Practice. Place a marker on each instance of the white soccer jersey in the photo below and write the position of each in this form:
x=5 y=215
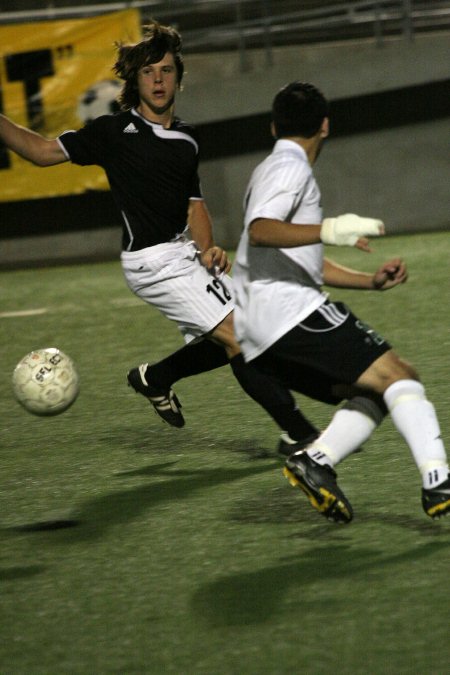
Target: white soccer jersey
x=275 y=288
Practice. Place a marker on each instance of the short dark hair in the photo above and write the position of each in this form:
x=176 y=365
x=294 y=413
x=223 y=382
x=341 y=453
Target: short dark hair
x=157 y=41
x=298 y=109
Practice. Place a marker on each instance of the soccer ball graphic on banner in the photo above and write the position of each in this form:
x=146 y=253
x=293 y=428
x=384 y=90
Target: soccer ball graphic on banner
x=100 y=99
x=46 y=382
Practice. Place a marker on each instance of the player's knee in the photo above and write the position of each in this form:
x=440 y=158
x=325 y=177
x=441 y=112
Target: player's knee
x=387 y=370
x=403 y=370
x=224 y=335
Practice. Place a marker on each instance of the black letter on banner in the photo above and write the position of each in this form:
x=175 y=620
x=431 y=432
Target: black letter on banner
x=29 y=68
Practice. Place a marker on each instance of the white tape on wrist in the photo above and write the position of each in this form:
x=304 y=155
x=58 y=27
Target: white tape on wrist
x=345 y=230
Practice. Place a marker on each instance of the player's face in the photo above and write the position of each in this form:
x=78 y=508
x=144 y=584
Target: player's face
x=157 y=84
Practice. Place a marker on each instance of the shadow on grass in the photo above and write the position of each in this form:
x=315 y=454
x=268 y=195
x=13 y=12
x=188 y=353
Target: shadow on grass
x=282 y=506
x=253 y=597
x=251 y=451
x=12 y=573
x=45 y=525
x=98 y=514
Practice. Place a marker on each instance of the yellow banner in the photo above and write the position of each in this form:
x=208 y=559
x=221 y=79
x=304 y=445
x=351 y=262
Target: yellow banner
x=54 y=76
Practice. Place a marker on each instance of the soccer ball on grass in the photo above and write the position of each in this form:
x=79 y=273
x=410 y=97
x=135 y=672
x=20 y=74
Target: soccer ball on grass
x=46 y=382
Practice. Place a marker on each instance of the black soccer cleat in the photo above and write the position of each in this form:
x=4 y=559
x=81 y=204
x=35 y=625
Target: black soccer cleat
x=318 y=482
x=286 y=446
x=164 y=401
x=436 y=501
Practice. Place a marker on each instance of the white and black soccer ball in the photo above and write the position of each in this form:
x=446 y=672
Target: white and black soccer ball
x=100 y=99
x=46 y=382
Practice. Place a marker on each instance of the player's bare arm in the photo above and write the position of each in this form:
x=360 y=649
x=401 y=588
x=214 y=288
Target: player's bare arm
x=345 y=230
x=279 y=234
x=30 y=145
x=387 y=276
x=200 y=225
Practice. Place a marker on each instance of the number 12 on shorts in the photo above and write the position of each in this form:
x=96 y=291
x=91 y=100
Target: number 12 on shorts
x=219 y=290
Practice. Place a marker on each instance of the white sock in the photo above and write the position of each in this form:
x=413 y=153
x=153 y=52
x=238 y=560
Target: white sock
x=415 y=418
x=346 y=432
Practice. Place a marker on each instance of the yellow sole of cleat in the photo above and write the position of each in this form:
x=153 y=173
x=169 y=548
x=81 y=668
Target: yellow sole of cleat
x=291 y=478
x=439 y=510
x=329 y=500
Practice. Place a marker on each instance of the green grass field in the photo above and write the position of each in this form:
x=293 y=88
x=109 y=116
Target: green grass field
x=129 y=547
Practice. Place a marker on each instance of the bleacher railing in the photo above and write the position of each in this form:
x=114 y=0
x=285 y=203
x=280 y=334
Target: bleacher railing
x=212 y=25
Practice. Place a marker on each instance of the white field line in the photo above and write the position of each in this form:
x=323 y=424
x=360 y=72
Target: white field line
x=132 y=301
x=23 y=312
x=69 y=307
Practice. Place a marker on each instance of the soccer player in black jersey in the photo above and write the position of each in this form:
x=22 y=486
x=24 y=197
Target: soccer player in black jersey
x=151 y=158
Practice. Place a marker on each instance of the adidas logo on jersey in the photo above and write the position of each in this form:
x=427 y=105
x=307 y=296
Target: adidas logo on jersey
x=130 y=129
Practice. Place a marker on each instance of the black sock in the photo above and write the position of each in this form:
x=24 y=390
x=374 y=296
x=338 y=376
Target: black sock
x=189 y=360
x=274 y=397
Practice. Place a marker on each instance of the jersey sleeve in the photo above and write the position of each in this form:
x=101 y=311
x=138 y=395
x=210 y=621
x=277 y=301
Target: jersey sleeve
x=88 y=145
x=195 y=188
x=277 y=193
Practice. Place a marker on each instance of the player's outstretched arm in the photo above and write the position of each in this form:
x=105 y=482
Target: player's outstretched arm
x=387 y=276
x=346 y=230
x=29 y=144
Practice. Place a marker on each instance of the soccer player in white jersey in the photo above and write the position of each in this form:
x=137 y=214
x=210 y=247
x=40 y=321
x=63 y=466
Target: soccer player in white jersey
x=150 y=158
x=286 y=325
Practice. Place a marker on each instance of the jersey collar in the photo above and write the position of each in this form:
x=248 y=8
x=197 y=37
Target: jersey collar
x=149 y=122
x=283 y=144
x=169 y=134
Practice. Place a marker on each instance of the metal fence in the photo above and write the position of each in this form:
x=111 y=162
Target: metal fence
x=212 y=25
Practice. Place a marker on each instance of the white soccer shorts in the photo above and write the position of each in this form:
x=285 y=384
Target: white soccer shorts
x=171 y=278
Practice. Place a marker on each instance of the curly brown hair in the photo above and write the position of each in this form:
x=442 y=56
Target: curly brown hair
x=157 y=41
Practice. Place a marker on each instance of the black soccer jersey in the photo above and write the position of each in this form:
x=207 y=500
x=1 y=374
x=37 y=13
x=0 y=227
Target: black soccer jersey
x=152 y=172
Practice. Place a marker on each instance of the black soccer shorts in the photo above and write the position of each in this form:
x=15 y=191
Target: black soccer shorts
x=331 y=346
